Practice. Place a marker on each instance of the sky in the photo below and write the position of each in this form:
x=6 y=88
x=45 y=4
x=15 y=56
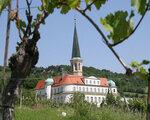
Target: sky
x=55 y=45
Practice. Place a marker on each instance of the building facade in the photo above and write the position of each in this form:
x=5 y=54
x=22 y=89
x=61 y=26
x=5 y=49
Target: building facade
x=61 y=88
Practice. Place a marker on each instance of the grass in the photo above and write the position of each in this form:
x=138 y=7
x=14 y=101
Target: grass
x=37 y=114
x=109 y=113
x=105 y=113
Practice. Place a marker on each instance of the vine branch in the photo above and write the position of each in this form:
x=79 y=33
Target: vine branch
x=88 y=6
x=147 y=8
x=104 y=37
x=17 y=19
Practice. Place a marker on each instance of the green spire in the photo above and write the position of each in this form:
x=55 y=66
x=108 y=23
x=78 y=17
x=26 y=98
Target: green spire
x=75 y=49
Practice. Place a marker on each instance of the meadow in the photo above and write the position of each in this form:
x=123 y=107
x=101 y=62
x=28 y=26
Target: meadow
x=104 y=113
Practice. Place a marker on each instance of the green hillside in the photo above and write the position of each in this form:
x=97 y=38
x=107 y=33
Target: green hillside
x=128 y=86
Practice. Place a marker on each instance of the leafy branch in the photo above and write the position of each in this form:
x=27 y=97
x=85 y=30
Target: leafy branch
x=136 y=27
x=128 y=70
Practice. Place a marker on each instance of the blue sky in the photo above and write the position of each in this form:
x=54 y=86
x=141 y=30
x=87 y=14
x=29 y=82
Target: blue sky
x=56 y=40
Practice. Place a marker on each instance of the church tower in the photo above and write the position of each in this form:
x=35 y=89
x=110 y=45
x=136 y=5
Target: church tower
x=76 y=61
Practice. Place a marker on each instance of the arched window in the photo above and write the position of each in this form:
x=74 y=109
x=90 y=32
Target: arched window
x=79 y=66
x=76 y=66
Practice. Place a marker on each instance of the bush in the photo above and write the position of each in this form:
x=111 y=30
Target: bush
x=137 y=104
x=82 y=109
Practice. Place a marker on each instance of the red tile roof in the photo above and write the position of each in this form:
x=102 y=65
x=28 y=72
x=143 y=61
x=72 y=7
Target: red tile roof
x=68 y=79
x=40 y=85
x=103 y=82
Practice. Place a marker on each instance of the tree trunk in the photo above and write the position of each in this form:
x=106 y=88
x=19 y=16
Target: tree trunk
x=21 y=62
x=148 y=98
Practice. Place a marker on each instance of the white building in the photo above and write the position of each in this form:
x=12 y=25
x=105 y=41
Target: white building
x=61 y=88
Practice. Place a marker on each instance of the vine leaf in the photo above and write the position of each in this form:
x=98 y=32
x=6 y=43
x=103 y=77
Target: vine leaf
x=141 y=72
x=99 y=3
x=3 y=4
x=140 y=5
x=69 y=4
x=118 y=25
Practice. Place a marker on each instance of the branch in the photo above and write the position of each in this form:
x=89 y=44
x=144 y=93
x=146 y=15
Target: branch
x=36 y=35
x=104 y=37
x=29 y=18
x=147 y=8
x=88 y=6
x=17 y=19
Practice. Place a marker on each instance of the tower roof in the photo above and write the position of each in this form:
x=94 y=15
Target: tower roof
x=75 y=48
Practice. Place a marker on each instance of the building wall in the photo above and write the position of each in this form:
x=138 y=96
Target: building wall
x=83 y=88
x=93 y=94
x=41 y=93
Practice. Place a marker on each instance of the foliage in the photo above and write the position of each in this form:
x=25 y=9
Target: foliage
x=82 y=109
x=3 y=4
x=27 y=97
x=137 y=104
x=110 y=99
x=140 y=5
x=118 y=25
x=140 y=71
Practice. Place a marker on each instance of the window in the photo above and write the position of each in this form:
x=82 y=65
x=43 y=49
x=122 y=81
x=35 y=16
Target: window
x=61 y=89
x=79 y=66
x=76 y=66
x=83 y=89
x=98 y=82
x=79 y=88
x=87 y=89
x=102 y=90
x=114 y=90
x=106 y=90
x=103 y=98
x=61 y=98
x=86 y=81
x=94 y=81
x=87 y=98
x=94 y=89
x=91 y=89
x=98 y=89
x=90 y=82
x=58 y=90
x=95 y=99
x=99 y=99
x=91 y=99
x=74 y=88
